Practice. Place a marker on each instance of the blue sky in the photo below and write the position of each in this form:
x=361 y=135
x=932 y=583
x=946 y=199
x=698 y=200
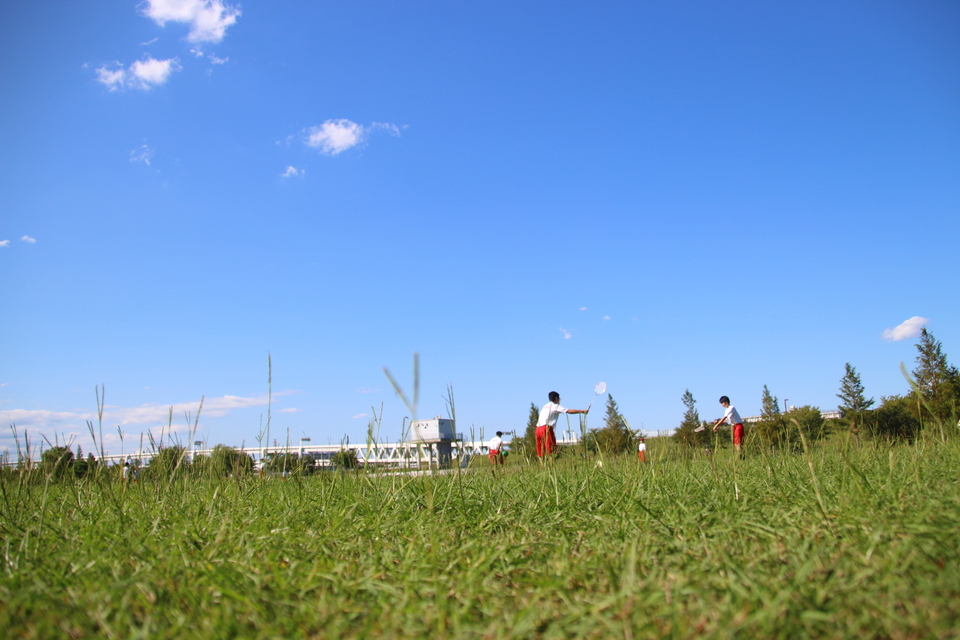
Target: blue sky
x=533 y=196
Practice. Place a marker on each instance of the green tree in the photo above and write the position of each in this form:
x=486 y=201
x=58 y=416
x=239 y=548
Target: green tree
x=771 y=429
x=615 y=436
x=345 y=459
x=168 y=460
x=853 y=401
x=937 y=382
x=529 y=441
x=685 y=433
x=895 y=419
x=852 y=395
x=287 y=463
x=809 y=420
x=79 y=464
x=57 y=462
x=229 y=461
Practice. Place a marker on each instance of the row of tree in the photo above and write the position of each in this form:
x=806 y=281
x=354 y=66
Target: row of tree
x=59 y=462
x=932 y=402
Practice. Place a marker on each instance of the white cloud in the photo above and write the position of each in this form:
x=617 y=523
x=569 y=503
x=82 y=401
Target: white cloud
x=361 y=415
x=290 y=410
x=335 y=136
x=152 y=72
x=142 y=74
x=141 y=154
x=583 y=308
x=113 y=78
x=292 y=172
x=153 y=417
x=566 y=334
x=208 y=19
x=148 y=42
x=367 y=390
x=28 y=240
x=3 y=384
x=4 y=243
x=906 y=329
x=215 y=60
x=606 y=317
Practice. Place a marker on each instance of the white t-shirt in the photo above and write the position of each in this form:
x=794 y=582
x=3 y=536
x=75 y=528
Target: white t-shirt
x=732 y=416
x=495 y=443
x=642 y=447
x=549 y=414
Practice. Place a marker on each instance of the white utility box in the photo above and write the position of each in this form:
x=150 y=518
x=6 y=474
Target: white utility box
x=433 y=430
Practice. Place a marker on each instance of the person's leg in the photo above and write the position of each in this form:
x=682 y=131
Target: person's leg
x=541 y=435
x=551 y=441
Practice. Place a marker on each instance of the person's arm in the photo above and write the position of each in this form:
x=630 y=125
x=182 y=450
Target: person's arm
x=718 y=422
x=578 y=410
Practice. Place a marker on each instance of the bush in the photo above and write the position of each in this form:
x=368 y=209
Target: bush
x=57 y=462
x=896 y=419
x=168 y=461
x=345 y=459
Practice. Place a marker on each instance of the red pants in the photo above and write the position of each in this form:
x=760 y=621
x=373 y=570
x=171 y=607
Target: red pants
x=642 y=455
x=495 y=456
x=546 y=440
x=738 y=433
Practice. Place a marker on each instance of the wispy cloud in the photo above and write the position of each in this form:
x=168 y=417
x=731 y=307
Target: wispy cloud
x=566 y=334
x=361 y=415
x=143 y=154
x=367 y=390
x=583 y=308
x=4 y=243
x=606 y=317
x=292 y=172
x=906 y=329
x=130 y=419
x=142 y=74
x=290 y=410
x=392 y=129
x=208 y=19
x=29 y=240
x=336 y=136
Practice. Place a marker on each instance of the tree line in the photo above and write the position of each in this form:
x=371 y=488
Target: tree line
x=933 y=403
x=60 y=462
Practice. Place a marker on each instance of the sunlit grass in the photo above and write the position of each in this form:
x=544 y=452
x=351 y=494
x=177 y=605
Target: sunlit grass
x=676 y=548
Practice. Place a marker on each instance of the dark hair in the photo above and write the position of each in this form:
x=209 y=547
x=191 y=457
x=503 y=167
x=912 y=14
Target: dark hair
x=554 y=396
x=724 y=399
x=499 y=433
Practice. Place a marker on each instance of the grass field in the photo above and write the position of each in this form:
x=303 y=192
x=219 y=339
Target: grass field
x=842 y=543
